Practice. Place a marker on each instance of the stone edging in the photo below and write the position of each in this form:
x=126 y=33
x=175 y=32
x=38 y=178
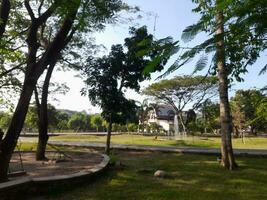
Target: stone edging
x=16 y=184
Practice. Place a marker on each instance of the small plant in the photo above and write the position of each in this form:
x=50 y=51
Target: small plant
x=113 y=158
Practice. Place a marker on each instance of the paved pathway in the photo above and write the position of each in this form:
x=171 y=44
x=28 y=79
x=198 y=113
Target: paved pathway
x=189 y=150
x=71 y=133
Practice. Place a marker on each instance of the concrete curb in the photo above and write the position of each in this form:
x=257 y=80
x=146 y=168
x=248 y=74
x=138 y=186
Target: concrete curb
x=15 y=186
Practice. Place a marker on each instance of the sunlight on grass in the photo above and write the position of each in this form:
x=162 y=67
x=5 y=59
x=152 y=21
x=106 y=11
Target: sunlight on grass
x=191 y=177
x=202 y=142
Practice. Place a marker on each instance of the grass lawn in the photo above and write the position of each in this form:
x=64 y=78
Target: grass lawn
x=211 y=142
x=191 y=177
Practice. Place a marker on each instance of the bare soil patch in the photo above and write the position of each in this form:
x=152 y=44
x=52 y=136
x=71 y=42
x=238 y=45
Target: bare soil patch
x=56 y=165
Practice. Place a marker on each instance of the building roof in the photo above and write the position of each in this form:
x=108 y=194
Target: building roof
x=165 y=112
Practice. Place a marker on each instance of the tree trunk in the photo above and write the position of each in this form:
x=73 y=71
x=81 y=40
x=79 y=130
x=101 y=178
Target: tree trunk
x=176 y=125
x=183 y=124
x=43 y=118
x=205 y=119
x=38 y=105
x=228 y=160
x=4 y=13
x=107 y=150
x=252 y=130
x=8 y=144
x=34 y=70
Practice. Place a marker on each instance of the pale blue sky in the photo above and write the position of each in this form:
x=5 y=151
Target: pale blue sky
x=173 y=17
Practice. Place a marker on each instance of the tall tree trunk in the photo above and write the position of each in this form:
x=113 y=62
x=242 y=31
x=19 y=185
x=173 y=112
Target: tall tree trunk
x=228 y=160
x=43 y=118
x=8 y=144
x=107 y=150
x=34 y=70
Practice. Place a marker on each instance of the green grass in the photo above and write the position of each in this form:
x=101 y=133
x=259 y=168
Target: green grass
x=26 y=146
x=211 y=142
x=192 y=177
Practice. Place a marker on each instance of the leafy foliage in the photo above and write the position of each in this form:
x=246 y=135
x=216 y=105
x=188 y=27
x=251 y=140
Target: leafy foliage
x=123 y=68
x=245 y=35
x=183 y=90
x=248 y=108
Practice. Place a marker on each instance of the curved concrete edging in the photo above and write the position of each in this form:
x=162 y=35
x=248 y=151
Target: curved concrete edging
x=23 y=182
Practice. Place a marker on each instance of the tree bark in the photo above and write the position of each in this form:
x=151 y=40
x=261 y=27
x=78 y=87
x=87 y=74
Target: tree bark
x=4 y=13
x=176 y=125
x=228 y=160
x=8 y=144
x=33 y=71
x=182 y=123
x=43 y=117
x=107 y=150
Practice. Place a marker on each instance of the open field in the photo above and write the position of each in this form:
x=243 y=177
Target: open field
x=204 y=142
x=191 y=177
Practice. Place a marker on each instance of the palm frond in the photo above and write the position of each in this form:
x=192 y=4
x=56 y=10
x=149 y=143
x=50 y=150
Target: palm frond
x=187 y=56
x=201 y=63
x=190 y=32
x=166 y=50
x=263 y=70
x=176 y=65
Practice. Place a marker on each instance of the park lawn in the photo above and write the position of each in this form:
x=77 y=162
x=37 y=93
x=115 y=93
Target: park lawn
x=26 y=146
x=32 y=146
x=193 y=177
x=201 y=142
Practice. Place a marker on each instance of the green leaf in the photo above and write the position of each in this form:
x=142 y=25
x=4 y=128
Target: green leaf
x=263 y=70
x=190 y=32
x=201 y=64
x=151 y=65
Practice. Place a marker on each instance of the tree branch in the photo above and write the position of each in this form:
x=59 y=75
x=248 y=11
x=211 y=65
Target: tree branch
x=29 y=9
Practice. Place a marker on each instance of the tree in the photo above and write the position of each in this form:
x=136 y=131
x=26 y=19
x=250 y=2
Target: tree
x=34 y=69
x=5 y=119
x=123 y=68
x=79 y=122
x=66 y=15
x=4 y=14
x=182 y=91
x=32 y=119
x=210 y=115
x=63 y=119
x=75 y=47
x=96 y=121
x=143 y=109
x=245 y=105
x=236 y=36
x=261 y=113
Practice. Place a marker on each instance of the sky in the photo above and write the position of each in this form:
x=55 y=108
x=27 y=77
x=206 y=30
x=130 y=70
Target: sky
x=173 y=16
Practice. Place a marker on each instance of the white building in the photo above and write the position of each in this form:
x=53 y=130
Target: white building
x=162 y=115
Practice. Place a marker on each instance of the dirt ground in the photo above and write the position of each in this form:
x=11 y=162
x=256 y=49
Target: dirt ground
x=58 y=164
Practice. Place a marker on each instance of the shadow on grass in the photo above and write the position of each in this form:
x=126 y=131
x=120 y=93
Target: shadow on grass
x=191 y=177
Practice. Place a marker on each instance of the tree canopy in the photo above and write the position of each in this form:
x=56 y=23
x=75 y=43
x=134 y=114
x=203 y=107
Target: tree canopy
x=183 y=90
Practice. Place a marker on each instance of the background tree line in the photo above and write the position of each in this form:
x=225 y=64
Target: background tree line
x=248 y=111
x=67 y=121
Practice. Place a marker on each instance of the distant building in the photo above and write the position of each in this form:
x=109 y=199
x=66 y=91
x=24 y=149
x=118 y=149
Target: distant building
x=163 y=115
